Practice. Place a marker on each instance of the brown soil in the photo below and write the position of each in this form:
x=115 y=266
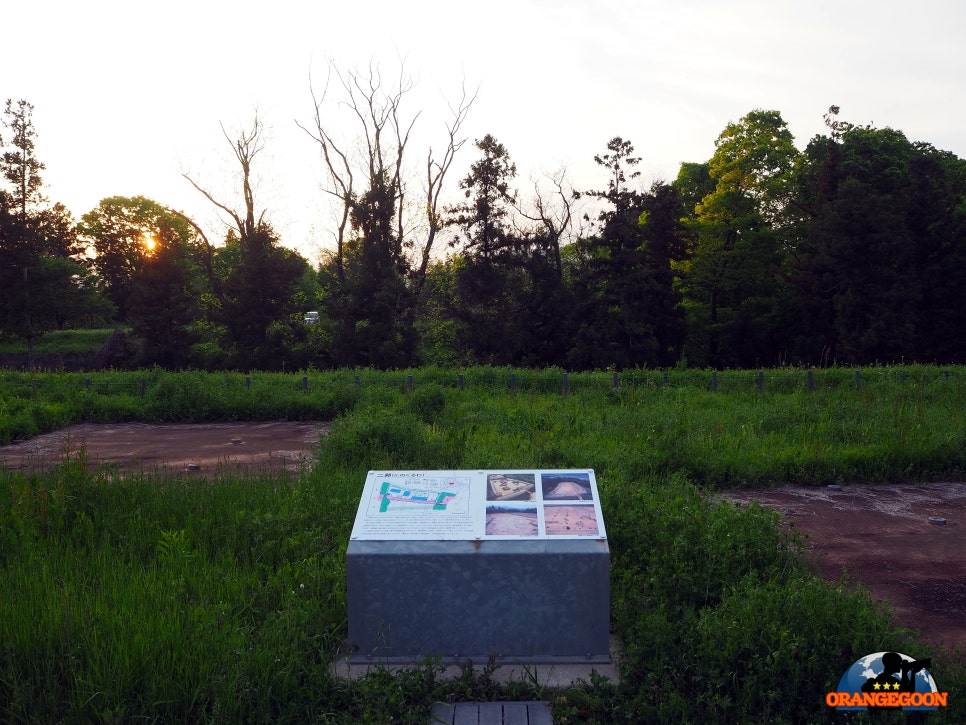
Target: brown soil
x=200 y=449
x=512 y=524
x=879 y=535
x=891 y=539
x=570 y=520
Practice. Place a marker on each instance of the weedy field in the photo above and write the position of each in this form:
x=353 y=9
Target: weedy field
x=60 y=341
x=163 y=598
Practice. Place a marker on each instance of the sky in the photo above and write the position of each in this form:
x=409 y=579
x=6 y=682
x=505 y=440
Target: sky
x=128 y=97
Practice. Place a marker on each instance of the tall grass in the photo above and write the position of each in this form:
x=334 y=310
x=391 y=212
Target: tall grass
x=63 y=342
x=172 y=599
x=907 y=424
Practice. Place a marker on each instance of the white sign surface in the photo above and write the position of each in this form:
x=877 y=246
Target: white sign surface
x=500 y=504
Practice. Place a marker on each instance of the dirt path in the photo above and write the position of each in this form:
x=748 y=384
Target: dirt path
x=198 y=448
x=905 y=542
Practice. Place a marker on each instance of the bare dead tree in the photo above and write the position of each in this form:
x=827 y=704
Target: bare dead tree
x=246 y=147
x=553 y=212
x=339 y=171
x=378 y=109
x=385 y=134
x=436 y=171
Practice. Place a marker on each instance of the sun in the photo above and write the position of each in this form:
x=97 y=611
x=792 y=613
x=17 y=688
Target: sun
x=149 y=242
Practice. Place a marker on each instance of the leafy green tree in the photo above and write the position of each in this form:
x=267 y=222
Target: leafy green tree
x=484 y=217
x=257 y=304
x=256 y=307
x=33 y=225
x=65 y=293
x=436 y=325
x=880 y=272
x=164 y=300
x=627 y=310
x=123 y=233
x=937 y=221
x=43 y=285
x=501 y=299
x=735 y=281
x=664 y=243
x=21 y=168
x=311 y=343
x=692 y=184
x=55 y=233
x=369 y=308
x=489 y=279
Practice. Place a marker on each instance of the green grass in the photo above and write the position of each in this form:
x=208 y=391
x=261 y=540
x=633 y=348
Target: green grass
x=62 y=342
x=168 y=599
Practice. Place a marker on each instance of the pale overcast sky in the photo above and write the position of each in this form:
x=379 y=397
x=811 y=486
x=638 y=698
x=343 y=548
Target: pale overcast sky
x=129 y=95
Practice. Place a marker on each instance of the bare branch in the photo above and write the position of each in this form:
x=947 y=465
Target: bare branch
x=553 y=215
x=246 y=147
x=209 y=250
x=436 y=171
x=402 y=138
x=338 y=167
x=386 y=130
x=214 y=201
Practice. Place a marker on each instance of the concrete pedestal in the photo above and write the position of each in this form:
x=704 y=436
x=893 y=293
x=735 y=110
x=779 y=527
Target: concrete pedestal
x=540 y=601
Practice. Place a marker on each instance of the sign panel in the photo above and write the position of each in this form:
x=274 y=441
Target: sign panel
x=461 y=505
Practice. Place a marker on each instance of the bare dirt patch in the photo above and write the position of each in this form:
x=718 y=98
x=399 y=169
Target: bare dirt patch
x=196 y=449
x=906 y=543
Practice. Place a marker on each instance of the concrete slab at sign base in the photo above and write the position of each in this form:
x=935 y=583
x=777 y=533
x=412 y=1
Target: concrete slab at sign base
x=505 y=672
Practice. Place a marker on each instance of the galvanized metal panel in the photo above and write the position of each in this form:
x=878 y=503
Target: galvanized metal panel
x=527 y=601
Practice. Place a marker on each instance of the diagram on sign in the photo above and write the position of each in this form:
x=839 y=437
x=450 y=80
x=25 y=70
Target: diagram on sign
x=419 y=494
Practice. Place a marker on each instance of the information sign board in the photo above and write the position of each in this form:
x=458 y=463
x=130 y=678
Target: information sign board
x=479 y=505
x=509 y=563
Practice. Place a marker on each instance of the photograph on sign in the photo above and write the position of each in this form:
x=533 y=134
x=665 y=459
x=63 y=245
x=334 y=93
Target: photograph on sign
x=572 y=486
x=570 y=520
x=511 y=487
x=508 y=520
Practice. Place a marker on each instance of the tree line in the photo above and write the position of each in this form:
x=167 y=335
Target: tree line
x=851 y=251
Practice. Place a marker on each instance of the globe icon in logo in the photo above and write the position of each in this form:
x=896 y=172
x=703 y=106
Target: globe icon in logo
x=904 y=683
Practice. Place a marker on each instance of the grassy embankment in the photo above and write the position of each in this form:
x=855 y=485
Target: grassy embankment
x=126 y=599
x=60 y=342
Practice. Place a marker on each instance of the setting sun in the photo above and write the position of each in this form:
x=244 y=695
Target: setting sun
x=149 y=243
